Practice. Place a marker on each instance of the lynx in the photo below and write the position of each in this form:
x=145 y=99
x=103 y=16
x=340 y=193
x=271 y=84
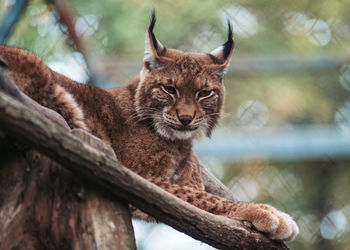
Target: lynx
x=151 y=123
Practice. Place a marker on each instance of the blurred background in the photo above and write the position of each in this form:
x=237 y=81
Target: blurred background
x=285 y=135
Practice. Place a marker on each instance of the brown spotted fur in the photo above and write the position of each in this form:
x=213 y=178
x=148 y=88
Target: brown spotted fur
x=127 y=117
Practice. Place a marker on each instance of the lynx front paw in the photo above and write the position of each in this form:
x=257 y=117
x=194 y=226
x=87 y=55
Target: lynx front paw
x=278 y=225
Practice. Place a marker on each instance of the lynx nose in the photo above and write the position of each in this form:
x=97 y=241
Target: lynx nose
x=185 y=119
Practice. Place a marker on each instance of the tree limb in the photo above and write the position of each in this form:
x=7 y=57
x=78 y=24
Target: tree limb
x=28 y=126
x=214 y=186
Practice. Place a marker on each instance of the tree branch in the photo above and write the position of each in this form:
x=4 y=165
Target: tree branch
x=28 y=126
x=214 y=186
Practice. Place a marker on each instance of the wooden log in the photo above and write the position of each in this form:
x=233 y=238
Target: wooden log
x=45 y=206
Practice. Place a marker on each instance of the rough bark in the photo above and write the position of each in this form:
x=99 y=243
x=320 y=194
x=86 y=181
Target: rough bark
x=27 y=126
x=44 y=206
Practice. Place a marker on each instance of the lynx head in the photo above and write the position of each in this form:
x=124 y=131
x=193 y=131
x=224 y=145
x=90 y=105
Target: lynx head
x=181 y=93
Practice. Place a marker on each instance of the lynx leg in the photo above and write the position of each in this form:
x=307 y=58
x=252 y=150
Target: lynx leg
x=265 y=218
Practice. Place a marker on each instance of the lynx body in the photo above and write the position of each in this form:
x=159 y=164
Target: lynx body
x=151 y=123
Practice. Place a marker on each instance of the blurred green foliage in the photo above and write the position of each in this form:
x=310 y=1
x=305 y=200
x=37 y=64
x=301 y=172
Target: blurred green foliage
x=314 y=192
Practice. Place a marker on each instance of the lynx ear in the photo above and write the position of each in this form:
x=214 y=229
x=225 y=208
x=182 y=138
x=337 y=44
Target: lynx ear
x=153 y=48
x=222 y=55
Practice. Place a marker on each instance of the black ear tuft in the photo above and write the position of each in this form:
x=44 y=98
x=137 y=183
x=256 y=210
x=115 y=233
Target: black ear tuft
x=229 y=44
x=230 y=32
x=152 y=20
x=151 y=26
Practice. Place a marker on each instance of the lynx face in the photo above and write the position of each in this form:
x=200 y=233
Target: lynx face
x=181 y=93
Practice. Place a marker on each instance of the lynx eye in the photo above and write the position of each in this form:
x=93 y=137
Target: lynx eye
x=204 y=93
x=168 y=89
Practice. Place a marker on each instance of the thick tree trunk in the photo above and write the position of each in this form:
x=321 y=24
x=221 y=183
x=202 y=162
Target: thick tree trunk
x=45 y=206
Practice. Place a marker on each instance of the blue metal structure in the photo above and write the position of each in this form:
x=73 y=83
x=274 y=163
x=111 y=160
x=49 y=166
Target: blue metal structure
x=11 y=18
x=281 y=144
